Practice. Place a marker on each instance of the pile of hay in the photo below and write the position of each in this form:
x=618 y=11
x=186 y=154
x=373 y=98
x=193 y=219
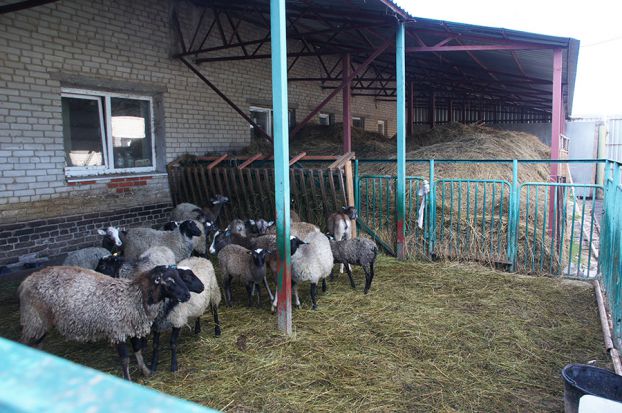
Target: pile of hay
x=428 y=337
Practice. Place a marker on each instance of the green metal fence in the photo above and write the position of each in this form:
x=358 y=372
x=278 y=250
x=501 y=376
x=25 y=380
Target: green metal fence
x=610 y=260
x=531 y=227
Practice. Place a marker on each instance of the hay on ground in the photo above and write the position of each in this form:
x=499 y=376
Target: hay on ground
x=428 y=337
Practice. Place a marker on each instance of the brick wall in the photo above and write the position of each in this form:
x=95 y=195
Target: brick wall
x=114 y=45
x=55 y=236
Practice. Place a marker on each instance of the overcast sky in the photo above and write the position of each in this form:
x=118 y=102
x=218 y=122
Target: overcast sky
x=596 y=23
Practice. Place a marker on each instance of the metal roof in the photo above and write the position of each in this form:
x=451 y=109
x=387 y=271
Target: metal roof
x=520 y=75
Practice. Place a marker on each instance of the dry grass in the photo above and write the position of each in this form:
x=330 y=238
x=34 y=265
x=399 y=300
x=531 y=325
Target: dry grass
x=428 y=337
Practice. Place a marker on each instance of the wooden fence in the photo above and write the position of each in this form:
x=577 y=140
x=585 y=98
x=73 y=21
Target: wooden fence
x=315 y=191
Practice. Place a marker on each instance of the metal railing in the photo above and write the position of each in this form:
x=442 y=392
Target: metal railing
x=531 y=227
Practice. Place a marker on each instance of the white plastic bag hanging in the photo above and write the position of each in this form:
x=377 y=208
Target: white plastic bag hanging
x=423 y=191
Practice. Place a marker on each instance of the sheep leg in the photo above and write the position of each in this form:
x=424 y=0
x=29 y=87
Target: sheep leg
x=323 y=285
x=314 y=296
x=258 y=289
x=249 y=291
x=38 y=343
x=276 y=300
x=349 y=271
x=216 y=321
x=137 y=347
x=295 y=290
x=228 y=291
x=197 y=326
x=155 y=353
x=332 y=273
x=340 y=268
x=174 y=337
x=125 y=360
x=265 y=282
x=369 y=276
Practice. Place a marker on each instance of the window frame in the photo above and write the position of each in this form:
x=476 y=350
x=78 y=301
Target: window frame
x=104 y=102
x=384 y=126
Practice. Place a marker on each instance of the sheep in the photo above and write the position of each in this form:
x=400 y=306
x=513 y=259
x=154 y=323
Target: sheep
x=192 y=309
x=299 y=229
x=268 y=242
x=223 y=238
x=237 y=226
x=199 y=243
x=121 y=267
x=86 y=257
x=311 y=262
x=138 y=240
x=339 y=224
x=187 y=210
x=359 y=251
x=170 y=226
x=86 y=306
x=258 y=227
x=112 y=239
x=246 y=266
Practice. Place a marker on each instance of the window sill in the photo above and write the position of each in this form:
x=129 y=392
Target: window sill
x=109 y=177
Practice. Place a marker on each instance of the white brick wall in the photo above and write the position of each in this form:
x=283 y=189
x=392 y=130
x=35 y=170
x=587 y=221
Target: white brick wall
x=126 y=41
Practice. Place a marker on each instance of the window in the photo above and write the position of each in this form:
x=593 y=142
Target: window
x=382 y=127
x=263 y=118
x=327 y=119
x=358 y=122
x=107 y=133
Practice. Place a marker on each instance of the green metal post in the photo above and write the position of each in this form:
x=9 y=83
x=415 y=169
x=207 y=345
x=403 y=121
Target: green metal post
x=400 y=67
x=432 y=210
x=281 y=162
x=514 y=216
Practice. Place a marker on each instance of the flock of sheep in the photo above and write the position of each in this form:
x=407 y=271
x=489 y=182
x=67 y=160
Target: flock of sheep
x=146 y=280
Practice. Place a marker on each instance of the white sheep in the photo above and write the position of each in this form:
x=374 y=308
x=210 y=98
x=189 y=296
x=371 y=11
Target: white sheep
x=298 y=229
x=86 y=306
x=312 y=262
x=182 y=313
x=139 y=240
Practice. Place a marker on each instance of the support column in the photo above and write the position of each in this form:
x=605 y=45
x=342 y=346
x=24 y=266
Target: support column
x=556 y=115
x=281 y=162
x=400 y=200
x=347 y=113
x=433 y=110
x=411 y=111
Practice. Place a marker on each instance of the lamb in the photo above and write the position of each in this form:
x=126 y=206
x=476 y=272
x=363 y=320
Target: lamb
x=112 y=239
x=121 y=267
x=86 y=306
x=86 y=257
x=245 y=266
x=192 y=309
x=359 y=251
x=139 y=240
x=339 y=224
x=311 y=262
x=299 y=229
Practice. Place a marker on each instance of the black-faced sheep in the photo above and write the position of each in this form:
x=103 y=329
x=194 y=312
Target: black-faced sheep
x=182 y=313
x=121 y=267
x=339 y=224
x=187 y=210
x=258 y=227
x=139 y=240
x=85 y=306
x=312 y=262
x=245 y=266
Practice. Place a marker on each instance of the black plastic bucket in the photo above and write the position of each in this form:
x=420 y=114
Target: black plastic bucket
x=582 y=379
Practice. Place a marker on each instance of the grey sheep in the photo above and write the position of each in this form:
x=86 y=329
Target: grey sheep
x=182 y=313
x=237 y=226
x=86 y=306
x=120 y=267
x=312 y=262
x=245 y=266
x=356 y=251
x=199 y=243
x=86 y=257
x=139 y=240
x=187 y=210
x=339 y=224
x=259 y=226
